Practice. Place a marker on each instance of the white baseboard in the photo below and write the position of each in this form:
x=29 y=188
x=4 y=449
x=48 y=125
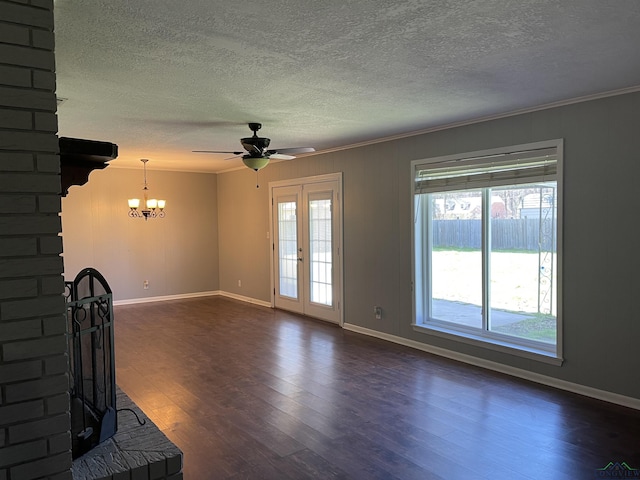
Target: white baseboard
x=242 y=298
x=182 y=296
x=498 y=367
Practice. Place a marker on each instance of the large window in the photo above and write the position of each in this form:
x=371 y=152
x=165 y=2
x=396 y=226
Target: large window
x=486 y=245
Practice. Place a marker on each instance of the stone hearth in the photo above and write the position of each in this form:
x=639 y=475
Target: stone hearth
x=135 y=452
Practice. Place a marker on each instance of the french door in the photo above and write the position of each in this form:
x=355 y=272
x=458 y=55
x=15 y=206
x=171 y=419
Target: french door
x=307 y=235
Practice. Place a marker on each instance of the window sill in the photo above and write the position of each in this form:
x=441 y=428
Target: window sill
x=490 y=343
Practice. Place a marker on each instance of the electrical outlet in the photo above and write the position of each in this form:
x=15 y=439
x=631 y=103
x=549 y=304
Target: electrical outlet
x=145 y=284
x=239 y=283
x=377 y=311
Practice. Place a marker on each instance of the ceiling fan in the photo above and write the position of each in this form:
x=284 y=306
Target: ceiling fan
x=257 y=156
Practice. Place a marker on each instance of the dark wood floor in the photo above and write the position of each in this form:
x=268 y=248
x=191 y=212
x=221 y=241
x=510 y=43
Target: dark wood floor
x=251 y=392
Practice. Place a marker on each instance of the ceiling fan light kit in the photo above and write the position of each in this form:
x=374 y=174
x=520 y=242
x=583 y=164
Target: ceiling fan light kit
x=255 y=163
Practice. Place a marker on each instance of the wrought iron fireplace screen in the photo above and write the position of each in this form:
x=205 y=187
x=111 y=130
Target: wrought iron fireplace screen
x=91 y=351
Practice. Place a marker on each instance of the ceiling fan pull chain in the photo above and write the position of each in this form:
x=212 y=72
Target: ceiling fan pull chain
x=257 y=178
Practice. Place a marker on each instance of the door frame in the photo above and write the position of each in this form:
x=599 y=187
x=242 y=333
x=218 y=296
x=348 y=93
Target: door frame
x=338 y=235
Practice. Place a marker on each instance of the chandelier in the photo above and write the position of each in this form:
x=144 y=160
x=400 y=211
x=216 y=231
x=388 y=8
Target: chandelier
x=151 y=207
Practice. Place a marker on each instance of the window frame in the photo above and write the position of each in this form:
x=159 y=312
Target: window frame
x=471 y=335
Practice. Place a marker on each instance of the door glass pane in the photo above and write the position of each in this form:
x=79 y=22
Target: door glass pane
x=523 y=253
x=456 y=257
x=288 y=249
x=320 y=249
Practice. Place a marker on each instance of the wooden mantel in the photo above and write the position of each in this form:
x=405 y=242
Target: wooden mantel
x=78 y=158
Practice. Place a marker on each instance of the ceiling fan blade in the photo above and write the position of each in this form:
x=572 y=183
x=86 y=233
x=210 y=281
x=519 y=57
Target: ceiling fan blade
x=281 y=156
x=292 y=150
x=217 y=151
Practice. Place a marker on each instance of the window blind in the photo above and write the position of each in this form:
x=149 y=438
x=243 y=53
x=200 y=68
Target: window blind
x=479 y=172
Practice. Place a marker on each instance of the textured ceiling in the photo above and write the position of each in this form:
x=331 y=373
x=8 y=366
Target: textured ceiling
x=163 y=77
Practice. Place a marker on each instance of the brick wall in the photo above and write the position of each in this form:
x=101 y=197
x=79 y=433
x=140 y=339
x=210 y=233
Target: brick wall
x=34 y=399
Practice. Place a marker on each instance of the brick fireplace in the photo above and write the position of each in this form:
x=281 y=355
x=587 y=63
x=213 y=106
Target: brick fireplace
x=34 y=402
x=35 y=438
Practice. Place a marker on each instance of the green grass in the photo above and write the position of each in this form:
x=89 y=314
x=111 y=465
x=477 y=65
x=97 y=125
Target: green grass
x=538 y=327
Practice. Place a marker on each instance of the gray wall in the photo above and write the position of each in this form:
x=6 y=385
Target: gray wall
x=177 y=254
x=34 y=400
x=601 y=257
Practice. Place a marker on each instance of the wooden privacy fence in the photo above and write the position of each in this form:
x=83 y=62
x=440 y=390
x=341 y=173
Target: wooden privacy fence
x=506 y=234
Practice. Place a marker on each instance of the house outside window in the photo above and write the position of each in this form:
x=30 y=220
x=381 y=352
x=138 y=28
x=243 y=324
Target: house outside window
x=487 y=248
